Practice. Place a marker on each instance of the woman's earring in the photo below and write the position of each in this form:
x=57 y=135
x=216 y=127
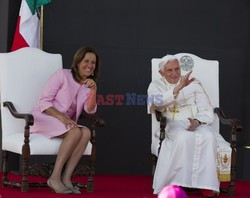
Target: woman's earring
x=92 y=74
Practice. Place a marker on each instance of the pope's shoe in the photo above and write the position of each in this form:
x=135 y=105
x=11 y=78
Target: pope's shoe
x=208 y=193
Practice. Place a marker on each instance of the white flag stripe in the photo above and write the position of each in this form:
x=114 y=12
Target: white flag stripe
x=29 y=25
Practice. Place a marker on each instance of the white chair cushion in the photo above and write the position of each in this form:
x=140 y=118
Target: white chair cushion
x=39 y=144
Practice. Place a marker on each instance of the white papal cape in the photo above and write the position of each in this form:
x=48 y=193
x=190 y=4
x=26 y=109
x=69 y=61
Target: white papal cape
x=187 y=159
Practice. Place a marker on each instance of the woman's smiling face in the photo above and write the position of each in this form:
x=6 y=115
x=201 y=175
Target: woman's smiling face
x=87 y=65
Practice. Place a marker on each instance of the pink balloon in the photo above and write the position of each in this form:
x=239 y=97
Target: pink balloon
x=172 y=191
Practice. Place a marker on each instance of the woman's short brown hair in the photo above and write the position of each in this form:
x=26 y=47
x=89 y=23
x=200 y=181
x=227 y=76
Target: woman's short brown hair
x=79 y=55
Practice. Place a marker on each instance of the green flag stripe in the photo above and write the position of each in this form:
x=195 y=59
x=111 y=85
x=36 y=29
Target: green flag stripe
x=33 y=4
x=39 y=3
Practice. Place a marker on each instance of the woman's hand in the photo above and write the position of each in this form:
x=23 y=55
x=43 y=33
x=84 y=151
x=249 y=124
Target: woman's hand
x=91 y=101
x=67 y=121
x=60 y=116
x=90 y=84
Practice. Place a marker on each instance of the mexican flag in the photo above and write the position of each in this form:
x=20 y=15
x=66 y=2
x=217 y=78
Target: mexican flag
x=27 y=32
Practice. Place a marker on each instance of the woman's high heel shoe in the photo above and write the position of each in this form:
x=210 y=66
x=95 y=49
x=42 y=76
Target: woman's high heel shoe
x=64 y=191
x=74 y=190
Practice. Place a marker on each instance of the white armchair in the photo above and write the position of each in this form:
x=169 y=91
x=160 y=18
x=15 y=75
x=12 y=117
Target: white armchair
x=207 y=71
x=23 y=75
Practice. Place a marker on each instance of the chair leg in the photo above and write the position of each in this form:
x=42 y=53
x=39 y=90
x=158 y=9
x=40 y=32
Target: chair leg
x=233 y=170
x=92 y=157
x=24 y=185
x=90 y=184
x=154 y=161
x=5 y=168
x=231 y=188
x=25 y=166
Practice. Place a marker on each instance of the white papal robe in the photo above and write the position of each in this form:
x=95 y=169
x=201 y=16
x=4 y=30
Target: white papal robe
x=187 y=158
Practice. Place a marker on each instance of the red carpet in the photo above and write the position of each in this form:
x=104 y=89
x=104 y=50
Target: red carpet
x=112 y=186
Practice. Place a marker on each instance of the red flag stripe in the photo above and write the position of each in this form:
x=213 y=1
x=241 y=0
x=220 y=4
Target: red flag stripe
x=18 y=41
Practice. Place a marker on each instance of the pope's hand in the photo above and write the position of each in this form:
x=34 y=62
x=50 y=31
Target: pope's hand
x=193 y=124
x=185 y=82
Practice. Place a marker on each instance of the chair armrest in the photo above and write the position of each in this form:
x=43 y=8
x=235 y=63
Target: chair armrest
x=94 y=118
x=234 y=123
x=29 y=120
x=163 y=123
x=235 y=127
x=160 y=118
x=27 y=117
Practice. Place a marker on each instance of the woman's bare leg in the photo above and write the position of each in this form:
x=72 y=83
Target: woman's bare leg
x=70 y=141
x=76 y=156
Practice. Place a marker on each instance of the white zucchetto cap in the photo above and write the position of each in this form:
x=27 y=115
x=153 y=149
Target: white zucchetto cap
x=165 y=59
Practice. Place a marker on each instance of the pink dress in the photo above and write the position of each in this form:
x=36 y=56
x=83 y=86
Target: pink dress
x=67 y=96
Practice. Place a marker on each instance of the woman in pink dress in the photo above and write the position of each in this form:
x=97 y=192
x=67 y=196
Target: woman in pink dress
x=66 y=94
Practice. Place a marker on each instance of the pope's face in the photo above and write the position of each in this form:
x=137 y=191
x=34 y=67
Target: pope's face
x=87 y=65
x=171 y=71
